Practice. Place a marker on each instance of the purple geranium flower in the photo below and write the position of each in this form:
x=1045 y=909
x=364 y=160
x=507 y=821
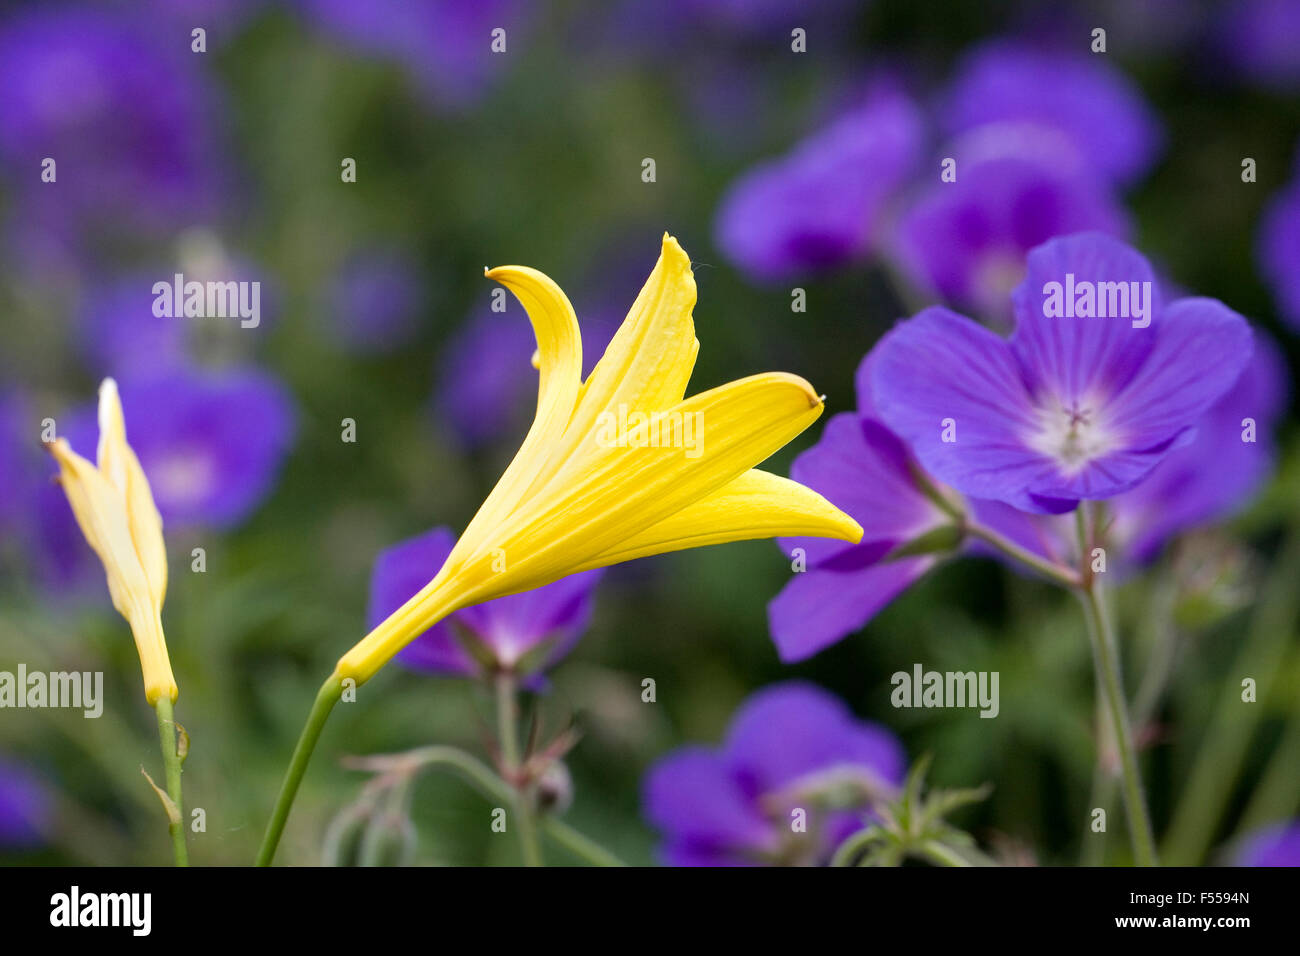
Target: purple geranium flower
x=375 y=301
x=967 y=240
x=211 y=443
x=125 y=118
x=25 y=807
x=819 y=206
x=546 y=622
x=1070 y=407
x=1081 y=94
x=732 y=805
x=446 y=45
x=1279 y=251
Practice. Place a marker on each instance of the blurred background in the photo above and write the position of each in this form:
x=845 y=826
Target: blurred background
x=791 y=150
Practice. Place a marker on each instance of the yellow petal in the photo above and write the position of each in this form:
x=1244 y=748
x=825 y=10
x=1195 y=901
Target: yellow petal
x=648 y=363
x=120 y=466
x=101 y=513
x=559 y=360
x=758 y=504
x=610 y=494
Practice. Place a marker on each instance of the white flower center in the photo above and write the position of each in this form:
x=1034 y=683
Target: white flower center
x=1074 y=434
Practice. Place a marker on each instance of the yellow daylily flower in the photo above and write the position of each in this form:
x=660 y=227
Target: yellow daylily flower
x=584 y=492
x=115 y=509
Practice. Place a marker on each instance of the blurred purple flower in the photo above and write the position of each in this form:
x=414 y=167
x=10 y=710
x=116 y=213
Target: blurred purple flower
x=1068 y=408
x=121 y=336
x=731 y=806
x=820 y=205
x=25 y=807
x=1080 y=94
x=1277 y=845
x=375 y=301
x=1261 y=40
x=211 y=443
x=445 y=45
x=126 y=119
x=967 y=240
x=1279 y=251
x=547 y=621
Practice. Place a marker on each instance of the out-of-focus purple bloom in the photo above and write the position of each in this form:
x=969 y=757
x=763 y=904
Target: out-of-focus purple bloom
x=120 y=334
x=967 y=240
x=1279 y=251
x=1216 y=472
x=221 y=19
x=211 y=443
x=17 y=433
x=25 y=807
x=484 y=377
x=125 y=118
x=547 y=621
x=820 y=206
x=1079 y=93
x=1261 y=39
x=1278 y=845
x=376 y=300
x=1070 y=407
x=445 y=45
x=731 y=806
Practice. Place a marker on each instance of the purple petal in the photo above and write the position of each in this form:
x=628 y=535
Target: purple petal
x=818 y=207
x=968 y=240
x=819 y=606
x=939 y=366
x=860 y=467
x=1201 y=348
x=1279 y=251
x=1076 y=358
x=1101 y=111
x=794 y=729
x=25 y=806
x=694 y=799
x=1217 y=471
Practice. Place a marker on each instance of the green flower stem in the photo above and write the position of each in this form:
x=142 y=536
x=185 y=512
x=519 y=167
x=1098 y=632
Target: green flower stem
x=508 y=731
x=1057 y=573
x=1105 y=655
x=936 y=852
x=172 y=767
x=1226 y=746
x=481 y=777
x=326 y=698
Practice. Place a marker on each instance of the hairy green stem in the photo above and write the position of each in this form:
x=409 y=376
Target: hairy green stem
x=1056 y=573
x=481 y=777
x=1106 y=657
x=326 y=698
x=508 y=732
x=172 y=767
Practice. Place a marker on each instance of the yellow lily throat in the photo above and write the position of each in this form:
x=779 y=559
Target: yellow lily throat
x=576 y=497
x=115 y=509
